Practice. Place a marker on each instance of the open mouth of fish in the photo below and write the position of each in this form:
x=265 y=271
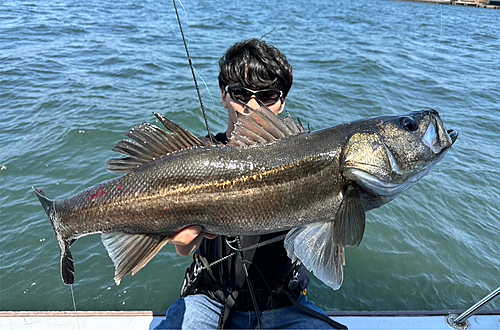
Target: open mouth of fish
x=437 y=137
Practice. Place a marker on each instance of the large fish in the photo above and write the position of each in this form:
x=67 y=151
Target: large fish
x=272 y=176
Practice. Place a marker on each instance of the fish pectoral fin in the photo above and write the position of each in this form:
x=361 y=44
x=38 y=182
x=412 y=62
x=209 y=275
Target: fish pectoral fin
x=131 y=252
x=314 y=246
x=350 y=220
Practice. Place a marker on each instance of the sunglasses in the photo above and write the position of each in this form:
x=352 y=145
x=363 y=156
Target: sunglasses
x=243 y=95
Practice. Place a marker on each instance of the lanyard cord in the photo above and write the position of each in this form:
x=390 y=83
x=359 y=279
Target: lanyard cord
x=256 y=245
x=249 y=283
x=203 y=265
x=240 y=249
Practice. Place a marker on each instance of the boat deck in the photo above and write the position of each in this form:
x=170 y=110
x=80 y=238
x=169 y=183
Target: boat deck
x=148 y=320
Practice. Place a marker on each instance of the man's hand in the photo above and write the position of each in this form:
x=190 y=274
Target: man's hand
x=188 y=240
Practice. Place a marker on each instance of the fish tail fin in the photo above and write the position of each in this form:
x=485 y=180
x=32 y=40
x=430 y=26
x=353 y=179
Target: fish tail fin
x=67 y=267
x=315 y=247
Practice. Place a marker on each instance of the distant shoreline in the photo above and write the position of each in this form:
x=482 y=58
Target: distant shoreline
x=465 y=3
x=443 y=2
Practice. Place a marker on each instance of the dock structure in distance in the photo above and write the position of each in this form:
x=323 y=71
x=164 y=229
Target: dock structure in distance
x=490 y=4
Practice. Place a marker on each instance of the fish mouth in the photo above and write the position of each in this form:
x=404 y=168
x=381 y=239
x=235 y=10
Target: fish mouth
x=437 y=137
x=453 y=135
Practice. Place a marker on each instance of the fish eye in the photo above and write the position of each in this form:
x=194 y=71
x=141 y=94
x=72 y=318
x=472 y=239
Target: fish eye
x=409 y=123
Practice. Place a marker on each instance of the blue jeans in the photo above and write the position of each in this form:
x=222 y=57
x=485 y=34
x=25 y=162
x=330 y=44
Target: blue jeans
x=201 y=312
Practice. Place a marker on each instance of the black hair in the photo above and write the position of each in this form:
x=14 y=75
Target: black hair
x=256 y=65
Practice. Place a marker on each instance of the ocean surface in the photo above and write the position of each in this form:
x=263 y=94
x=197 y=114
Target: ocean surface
x=76 y=75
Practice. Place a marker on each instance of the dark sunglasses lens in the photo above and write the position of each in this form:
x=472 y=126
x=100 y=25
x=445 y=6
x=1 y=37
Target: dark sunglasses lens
x=240 y=94
x=268 y=97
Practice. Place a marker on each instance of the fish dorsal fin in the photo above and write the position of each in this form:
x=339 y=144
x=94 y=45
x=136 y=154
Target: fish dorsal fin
x=130 y=253
x=262 y=126
x=350 y=220
x=315 y=247
x=149 y=142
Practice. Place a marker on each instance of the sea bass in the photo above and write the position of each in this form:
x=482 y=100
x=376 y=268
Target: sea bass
x=272 y=176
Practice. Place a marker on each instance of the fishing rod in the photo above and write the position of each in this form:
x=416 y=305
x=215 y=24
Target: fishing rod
x=247 y=276
x=194 y=75
x=249 y=283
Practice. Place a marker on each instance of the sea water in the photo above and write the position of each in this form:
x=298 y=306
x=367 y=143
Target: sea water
x=76 y=75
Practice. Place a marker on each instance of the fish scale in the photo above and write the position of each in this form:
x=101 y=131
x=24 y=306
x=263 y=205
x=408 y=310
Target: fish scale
x=317 y=184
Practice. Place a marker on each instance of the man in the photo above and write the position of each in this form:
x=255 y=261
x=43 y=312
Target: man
x=225 y=287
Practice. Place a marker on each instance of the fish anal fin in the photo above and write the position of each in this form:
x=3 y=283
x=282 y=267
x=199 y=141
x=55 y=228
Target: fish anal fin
x=314 y=246
x=350 y=220
x=131 y=252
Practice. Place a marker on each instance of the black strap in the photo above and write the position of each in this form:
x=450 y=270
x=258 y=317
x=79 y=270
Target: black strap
x=323 y=317
x=226 y=310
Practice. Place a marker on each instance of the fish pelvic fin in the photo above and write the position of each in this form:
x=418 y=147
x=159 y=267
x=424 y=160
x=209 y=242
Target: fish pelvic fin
x=315 y=247
x=350 y=221
x=67 y=266
x=131 y=252
x=262 y=126
x=149 y=142
x=321 y=246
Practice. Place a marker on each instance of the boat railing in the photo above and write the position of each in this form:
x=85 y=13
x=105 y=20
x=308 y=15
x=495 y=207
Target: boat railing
x=460 y=322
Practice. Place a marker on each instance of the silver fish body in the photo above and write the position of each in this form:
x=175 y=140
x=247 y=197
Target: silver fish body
x=272 y=176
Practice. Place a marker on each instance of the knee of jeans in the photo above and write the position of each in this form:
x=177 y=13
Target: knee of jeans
x=179 y=306
x=174 y=317
x=197 y=311
x=309 y=304
x=200 y=302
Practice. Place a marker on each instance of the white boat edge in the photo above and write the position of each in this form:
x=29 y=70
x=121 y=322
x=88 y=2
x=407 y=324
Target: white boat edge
x=124 y=320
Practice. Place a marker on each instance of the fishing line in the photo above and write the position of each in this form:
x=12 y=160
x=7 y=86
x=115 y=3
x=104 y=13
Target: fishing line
x=193 y=73
x=268 y=33
x=206 y=87
x=187 y=20
x=197 y=73
x=74 y=306
x=435 y=55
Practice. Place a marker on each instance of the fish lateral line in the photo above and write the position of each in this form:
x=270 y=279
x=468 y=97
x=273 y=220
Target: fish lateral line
x=328 y=210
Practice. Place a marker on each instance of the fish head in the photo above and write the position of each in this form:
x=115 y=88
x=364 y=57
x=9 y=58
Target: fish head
x=392 y=153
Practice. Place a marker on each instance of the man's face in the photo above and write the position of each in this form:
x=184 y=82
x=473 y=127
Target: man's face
x=234 y=106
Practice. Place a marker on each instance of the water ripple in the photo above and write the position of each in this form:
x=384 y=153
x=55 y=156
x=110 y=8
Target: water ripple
x=74 y=77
